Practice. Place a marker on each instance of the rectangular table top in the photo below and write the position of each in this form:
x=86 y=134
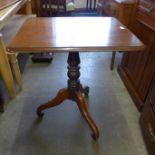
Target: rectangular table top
x=61 y=34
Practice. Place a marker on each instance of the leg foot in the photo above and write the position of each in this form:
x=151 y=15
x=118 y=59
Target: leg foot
x=84 y=90
x=61 y=96
x=83 y=109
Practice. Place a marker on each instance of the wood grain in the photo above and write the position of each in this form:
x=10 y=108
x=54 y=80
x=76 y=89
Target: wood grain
x=74 y=34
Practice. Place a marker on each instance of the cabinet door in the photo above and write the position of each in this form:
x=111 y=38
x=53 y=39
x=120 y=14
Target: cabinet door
x=147 y=120
x=147 y=123
x=138 y=66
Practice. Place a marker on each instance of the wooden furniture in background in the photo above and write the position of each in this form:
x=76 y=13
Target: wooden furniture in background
x=6 y=3
x=137 y=70
x=8 y=12
x=5 y=70
x=121 y=9
x=7 y=59
x=44 y=8
x=91 y=5
x=26 y=9
x=48 y=8
x=51 y=38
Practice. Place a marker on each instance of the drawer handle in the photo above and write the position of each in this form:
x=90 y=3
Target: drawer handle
x=152 y=134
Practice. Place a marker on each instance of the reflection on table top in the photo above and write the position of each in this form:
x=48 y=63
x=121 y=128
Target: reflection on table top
x=74 y=34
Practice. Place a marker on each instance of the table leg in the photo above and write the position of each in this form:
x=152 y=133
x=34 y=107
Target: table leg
x=73 y=92
x=112 y=60
x=60 y=97
x=83 y=109
x=16 y=70
x=5 y=70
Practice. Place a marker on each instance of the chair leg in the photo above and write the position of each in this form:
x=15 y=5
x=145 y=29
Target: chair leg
x=112 y=60
x=16 y=70
x=6 y=70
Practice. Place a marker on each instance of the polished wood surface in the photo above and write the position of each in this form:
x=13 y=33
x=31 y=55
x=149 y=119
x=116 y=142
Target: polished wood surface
x=60 y=34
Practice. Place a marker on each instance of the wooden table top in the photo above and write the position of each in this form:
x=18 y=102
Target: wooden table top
x=61 y=34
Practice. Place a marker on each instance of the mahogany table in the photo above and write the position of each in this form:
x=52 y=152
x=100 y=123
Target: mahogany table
x=73 y=35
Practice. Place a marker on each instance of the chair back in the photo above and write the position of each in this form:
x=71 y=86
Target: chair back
x=91 y=5
x=49 y=8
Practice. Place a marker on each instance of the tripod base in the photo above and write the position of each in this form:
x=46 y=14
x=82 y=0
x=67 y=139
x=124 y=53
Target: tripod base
x=65 y=94
x=74 y=92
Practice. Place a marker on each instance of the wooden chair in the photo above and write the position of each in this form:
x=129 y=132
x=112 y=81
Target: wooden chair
x=91 y=5
x=8 y=62
x=5 y=70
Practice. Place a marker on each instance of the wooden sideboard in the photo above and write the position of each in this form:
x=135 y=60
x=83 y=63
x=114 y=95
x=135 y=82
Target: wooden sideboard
x=137 y=69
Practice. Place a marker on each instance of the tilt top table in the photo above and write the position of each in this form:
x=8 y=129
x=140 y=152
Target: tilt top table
x=73 y=35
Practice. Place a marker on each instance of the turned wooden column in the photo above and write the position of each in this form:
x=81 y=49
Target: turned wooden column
x=73 y=71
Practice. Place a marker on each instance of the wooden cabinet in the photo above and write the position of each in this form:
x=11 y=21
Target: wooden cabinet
x=121 y=9
x=137 y=69
x=147 y=120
